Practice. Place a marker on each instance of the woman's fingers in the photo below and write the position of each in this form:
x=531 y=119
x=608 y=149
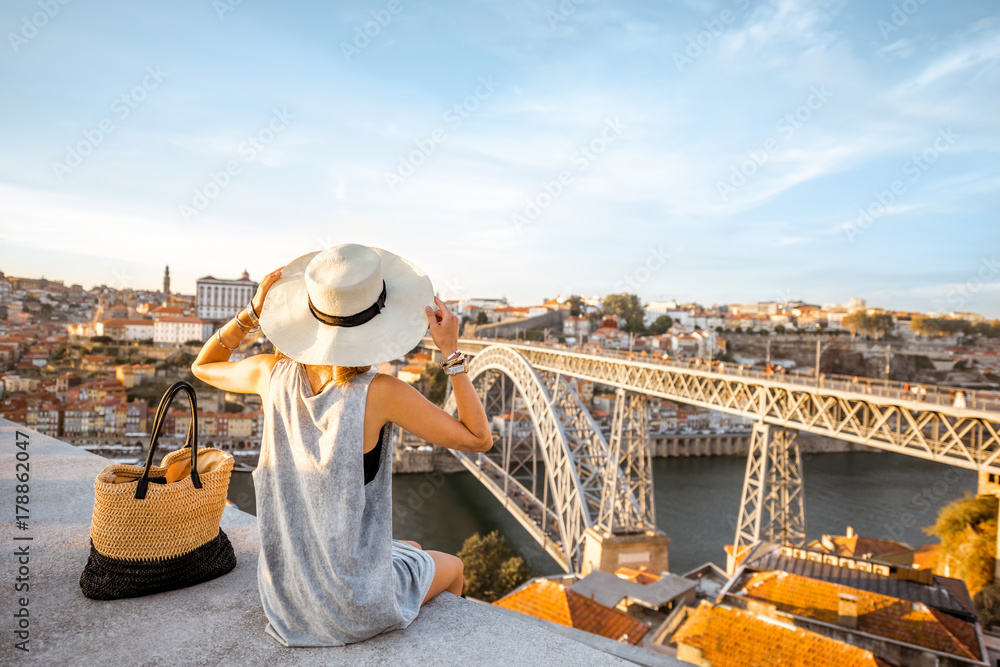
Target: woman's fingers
x=262 y=289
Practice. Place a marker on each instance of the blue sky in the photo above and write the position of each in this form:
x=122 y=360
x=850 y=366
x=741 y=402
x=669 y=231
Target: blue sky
x=719 y=151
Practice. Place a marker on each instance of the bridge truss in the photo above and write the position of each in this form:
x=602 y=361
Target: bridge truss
x=552 y=467
x=772 y=503
x=960 y=437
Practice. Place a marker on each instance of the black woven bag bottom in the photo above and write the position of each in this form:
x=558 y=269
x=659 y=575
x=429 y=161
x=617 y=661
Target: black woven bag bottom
x=106 y=578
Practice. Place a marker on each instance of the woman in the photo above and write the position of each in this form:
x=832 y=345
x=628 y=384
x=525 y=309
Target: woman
x=329 y=571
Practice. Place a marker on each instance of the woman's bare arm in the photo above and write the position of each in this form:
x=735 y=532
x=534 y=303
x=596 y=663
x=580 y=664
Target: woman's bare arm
x=405 y=406
x=249 y=376
x=398 y=402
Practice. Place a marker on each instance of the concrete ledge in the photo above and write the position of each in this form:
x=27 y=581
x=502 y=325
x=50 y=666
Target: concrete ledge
x=635 y=654
x=220 y=622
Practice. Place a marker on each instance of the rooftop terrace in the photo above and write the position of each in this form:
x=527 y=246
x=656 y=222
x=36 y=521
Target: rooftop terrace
x=220 y=622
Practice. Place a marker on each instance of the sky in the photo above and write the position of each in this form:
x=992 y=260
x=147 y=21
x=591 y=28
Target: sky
x=719 y=151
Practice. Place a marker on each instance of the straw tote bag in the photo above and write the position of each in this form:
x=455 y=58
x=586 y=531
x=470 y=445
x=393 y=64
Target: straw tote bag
x=156 y=528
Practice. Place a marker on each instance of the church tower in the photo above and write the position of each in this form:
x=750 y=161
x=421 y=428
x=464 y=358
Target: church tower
x=166 y=281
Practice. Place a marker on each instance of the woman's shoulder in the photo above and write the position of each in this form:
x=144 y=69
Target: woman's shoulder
x=269 y=361
x=267 y=365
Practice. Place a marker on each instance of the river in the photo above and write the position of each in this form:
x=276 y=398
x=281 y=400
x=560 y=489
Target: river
x=881 y=495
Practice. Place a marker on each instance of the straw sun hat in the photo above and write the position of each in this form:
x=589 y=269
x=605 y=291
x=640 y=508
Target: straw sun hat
x=348 y=305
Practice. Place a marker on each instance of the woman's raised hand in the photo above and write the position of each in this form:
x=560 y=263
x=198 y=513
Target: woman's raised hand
x=444 y=327
x=265 y=285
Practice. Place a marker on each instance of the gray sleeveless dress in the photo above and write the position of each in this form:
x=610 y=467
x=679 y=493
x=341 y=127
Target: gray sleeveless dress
x=329 y=571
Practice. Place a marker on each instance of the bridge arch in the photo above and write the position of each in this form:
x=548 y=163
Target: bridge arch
x=572 y=450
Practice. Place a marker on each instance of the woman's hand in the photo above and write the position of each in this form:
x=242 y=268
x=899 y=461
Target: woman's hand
x=265 y=285
x=444 y=327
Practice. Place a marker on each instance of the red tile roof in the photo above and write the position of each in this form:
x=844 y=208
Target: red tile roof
x=926 y=557
x=640 y=576
x=195 y=320
x=120 y=322
x=735 y=638
x=865 y=547
x=551 y=601
x=881 y=615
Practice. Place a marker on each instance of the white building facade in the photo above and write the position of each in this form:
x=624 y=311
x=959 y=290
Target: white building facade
x=179 y=330
x=124 y=330
x=219 y=300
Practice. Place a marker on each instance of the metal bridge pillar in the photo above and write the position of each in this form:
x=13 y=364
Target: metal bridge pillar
x=773 y=482
x=629 y=507
x=625 y=533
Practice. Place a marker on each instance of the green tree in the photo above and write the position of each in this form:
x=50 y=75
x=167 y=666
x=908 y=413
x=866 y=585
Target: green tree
x=946 y=326
x=482 y=318
x=882 y=323
x=575 y=305
x=101 y=339
x=661 y=324
x=437 y=384
x=861 y=322
x=233 y=407
x=491 y=568
x=967 y=528
x=627 y=307
x=856 y=322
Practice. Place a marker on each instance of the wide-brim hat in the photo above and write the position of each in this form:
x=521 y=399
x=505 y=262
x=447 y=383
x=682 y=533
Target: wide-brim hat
x=348 y=305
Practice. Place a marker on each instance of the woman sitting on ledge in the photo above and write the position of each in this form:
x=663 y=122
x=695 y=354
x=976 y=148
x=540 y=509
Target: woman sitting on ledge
x=329 y=571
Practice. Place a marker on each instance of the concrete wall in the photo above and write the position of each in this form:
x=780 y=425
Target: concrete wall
x=220 y=622
x=440 y=460
x=739 y=445
x=509 y=328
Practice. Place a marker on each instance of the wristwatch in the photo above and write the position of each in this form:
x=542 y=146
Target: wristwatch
x=456 y=369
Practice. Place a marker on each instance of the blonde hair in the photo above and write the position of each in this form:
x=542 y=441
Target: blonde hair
x=341 y=374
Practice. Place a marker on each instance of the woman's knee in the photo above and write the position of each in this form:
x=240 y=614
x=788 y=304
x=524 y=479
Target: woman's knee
x=457 y=574
x=411 y=543
x=449 y=567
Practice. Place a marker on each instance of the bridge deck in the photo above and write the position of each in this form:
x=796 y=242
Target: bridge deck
x=878 y=414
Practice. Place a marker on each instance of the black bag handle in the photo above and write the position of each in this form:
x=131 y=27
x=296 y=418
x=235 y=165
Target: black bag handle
x=192 y=436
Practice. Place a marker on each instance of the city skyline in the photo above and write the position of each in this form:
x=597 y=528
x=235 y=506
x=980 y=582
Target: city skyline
x=719 y=152
x=120 y=279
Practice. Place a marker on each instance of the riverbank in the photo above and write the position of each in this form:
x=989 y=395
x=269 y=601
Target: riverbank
x=880 y=494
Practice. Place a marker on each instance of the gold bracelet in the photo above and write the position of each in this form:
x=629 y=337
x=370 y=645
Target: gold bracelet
x=218 y=337
x=254 y=324
x=252 y=329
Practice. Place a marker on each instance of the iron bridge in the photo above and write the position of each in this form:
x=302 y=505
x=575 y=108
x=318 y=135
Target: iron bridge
x=558 y=475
